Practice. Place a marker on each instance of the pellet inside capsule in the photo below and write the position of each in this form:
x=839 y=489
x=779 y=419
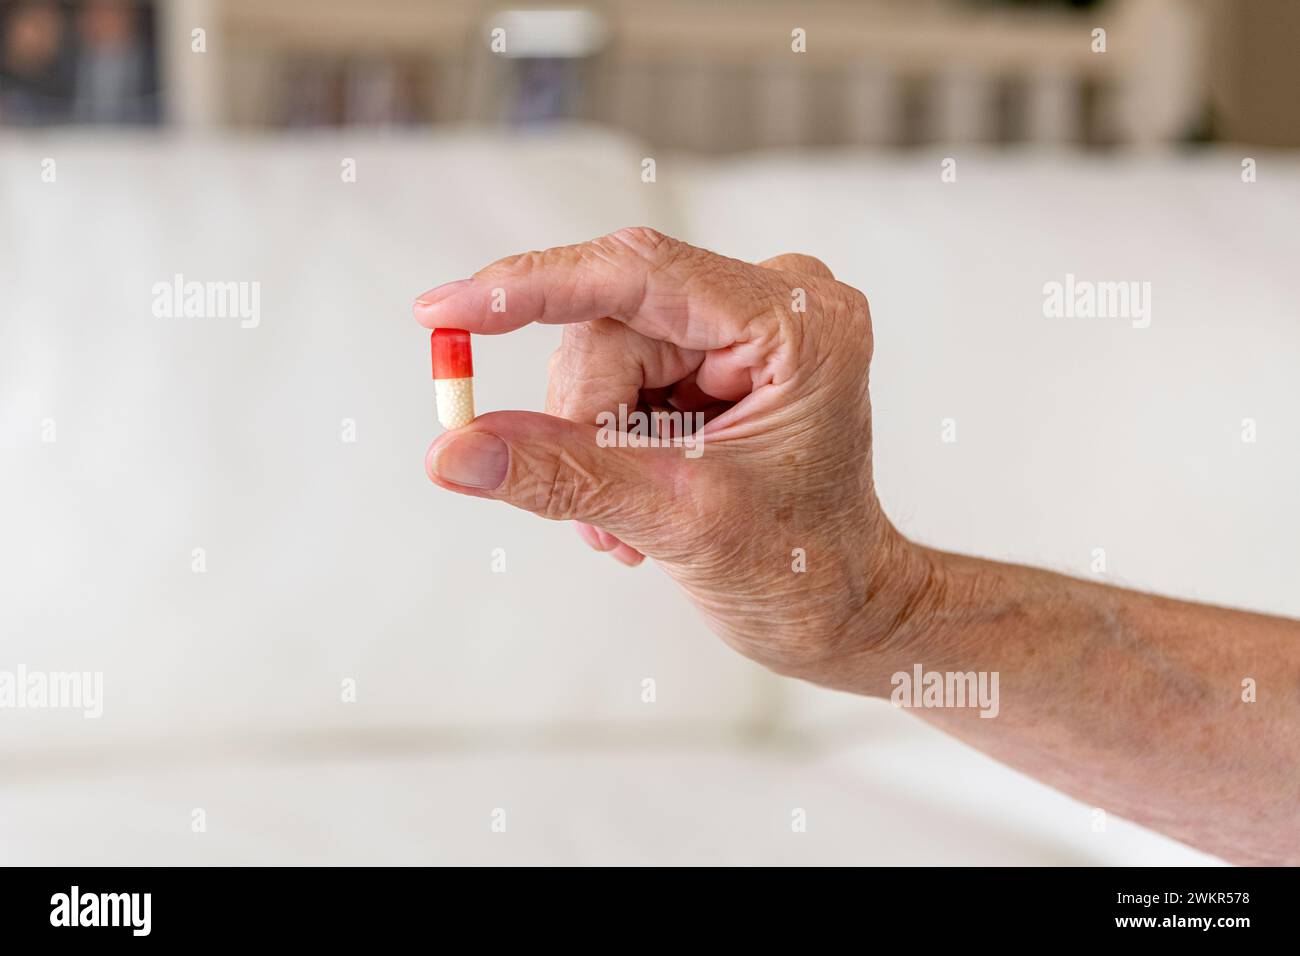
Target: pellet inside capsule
x=453 y=376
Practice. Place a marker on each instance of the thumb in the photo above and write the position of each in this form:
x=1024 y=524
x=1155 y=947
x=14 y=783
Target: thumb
x=555 y=468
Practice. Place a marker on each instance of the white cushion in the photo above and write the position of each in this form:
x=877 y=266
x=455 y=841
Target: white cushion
x=325 y=560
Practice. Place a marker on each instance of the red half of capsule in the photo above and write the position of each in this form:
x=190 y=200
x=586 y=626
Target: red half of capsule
x=451 y=354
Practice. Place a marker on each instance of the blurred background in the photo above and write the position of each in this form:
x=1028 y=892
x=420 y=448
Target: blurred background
x=707 y=75
x=324 y=659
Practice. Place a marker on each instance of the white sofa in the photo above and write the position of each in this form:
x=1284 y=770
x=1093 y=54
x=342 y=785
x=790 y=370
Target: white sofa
x=329 y=561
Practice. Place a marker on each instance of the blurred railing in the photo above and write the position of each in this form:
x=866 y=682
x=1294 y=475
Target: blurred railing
x=718 y=76
x=706 y=75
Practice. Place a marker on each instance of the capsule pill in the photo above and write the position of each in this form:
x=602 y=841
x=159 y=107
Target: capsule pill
x=453 y=376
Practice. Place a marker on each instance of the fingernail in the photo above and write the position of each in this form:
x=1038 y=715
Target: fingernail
x=438 y=293
x=628 y=555
x=589 y=534
x=475 y=460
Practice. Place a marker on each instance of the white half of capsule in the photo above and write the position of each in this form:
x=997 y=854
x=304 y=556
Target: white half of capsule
x=455 y=401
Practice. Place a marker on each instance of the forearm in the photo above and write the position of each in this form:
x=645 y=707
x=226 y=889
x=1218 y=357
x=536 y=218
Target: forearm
x=1130 y=702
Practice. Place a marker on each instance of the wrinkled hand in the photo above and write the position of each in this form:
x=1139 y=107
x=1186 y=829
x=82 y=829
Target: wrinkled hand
x=771 y=524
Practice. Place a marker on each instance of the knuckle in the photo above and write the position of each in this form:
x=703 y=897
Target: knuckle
x=852 y=312
x=801 y=264
x=518 y=264
x=646 y=243
x=815 y=266
x=855 y=302
x=640 y=237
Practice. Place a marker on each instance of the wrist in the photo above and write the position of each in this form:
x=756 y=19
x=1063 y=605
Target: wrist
x=897 y=622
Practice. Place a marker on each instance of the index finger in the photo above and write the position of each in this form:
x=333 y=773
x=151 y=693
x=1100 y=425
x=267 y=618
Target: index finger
x=661 y=287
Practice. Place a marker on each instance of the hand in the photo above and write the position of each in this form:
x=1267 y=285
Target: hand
x=1098 y=685
x=771 y=524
